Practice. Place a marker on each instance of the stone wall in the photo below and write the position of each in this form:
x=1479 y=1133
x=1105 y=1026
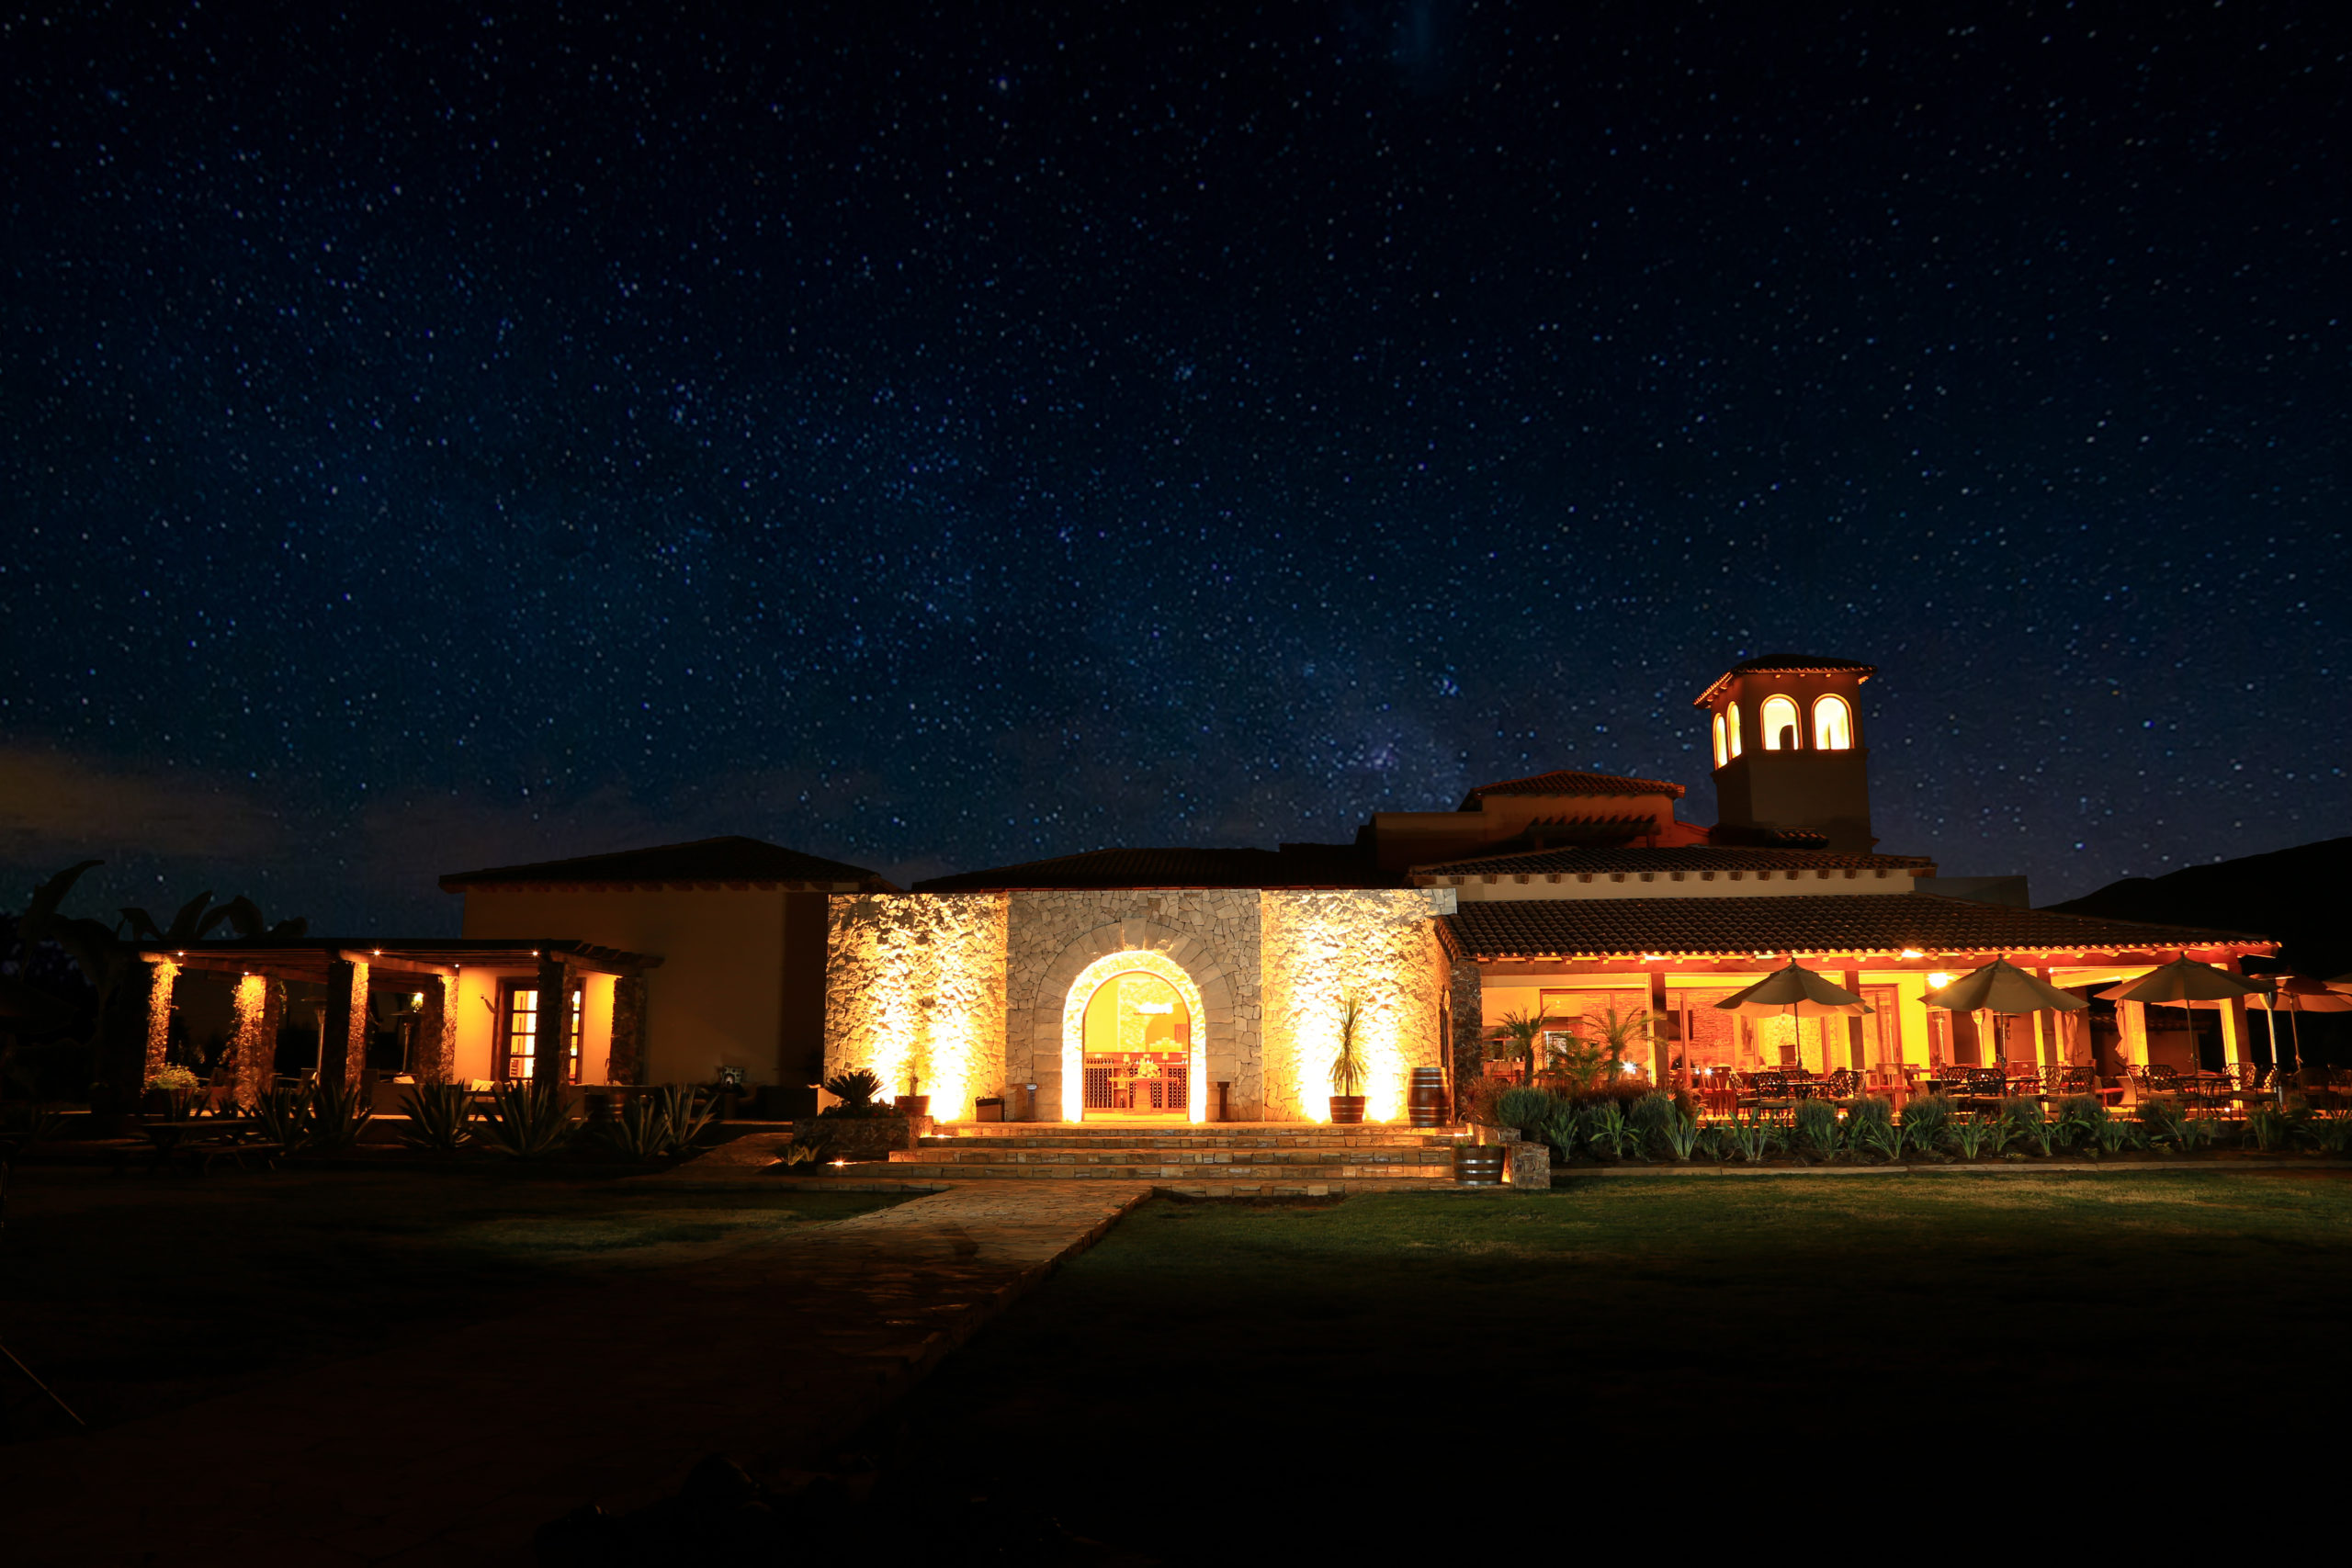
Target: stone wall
x=915 y=988
x=1317 y=949
x=1210 y=933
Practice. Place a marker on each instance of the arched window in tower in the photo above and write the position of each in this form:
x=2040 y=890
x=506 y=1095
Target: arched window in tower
x=1722 y=755
x=1731 y=712
x=1833 y=725
x=1779 y=716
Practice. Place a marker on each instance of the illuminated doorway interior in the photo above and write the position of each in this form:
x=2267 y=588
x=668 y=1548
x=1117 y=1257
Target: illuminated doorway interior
x=1138 y=1050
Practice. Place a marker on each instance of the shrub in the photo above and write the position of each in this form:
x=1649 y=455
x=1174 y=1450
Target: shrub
x=1663 y=1126
x=1558 y=1128
x=1816 y=1127
x=1713 y=1142
x=1870 y=1126
x=526 y=1122
x=174 y=1078
x=440 y=1117
x=1524 y=1109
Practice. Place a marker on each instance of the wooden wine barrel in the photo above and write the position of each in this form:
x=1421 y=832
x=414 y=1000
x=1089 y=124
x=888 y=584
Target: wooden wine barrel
x=1425 y=1101
x=1478 y=1165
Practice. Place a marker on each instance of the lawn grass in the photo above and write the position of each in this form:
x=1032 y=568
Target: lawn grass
x=1651 y=1343
x=133 y=1295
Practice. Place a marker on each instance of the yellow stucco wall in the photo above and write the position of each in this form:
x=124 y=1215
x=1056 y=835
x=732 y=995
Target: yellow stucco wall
x=720 y=997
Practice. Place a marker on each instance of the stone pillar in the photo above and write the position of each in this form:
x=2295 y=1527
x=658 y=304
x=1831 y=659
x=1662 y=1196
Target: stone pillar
x=1469 y=1009
x=161 y=973
x=253 y=1056
x=346 y=981
x=1528 y=1164
x=628 y=1030
x=551 y=1048
x=436 y=1056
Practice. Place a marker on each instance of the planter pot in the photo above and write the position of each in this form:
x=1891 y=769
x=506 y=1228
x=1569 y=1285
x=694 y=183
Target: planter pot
x=1347 y=1109
x=914 y=1104
x=857 y=1138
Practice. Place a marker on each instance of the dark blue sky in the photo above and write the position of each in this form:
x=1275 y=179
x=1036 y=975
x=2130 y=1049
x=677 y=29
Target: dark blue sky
x=437 y=438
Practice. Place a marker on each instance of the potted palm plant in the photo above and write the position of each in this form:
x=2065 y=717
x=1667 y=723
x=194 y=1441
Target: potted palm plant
x=1348 y=1069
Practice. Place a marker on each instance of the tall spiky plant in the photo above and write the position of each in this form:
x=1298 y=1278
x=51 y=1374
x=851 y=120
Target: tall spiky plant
x=1617 y=1033
x=1519 y=1031
x=1348 y=1069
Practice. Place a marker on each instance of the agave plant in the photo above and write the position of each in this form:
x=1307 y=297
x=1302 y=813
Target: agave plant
x=1974 y=1135
x=2113 y=1135
x=1925 y=1121
x=2270 y=1128
x=1713 y=1142
x=1817 y=1128
x=1605 y=1128
x=337 y=1115
x=2080 y=1116
x=1651 y=1117
x=440 y=1117
x=2162 y=1122
x=285 y=1118
x=527 y=1122
x=686 y=1116
x=1752 y=1137
x=2331 y=1130
x=2022 y=1116
x=1680 y=1135
x=2202 y=1130
x=641 y=1131
x=1558 y=1127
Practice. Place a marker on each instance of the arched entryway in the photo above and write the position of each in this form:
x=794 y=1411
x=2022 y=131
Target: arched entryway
x=1133 y=1042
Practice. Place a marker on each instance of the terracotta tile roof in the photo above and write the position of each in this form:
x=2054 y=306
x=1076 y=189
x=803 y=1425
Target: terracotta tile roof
x=1292 y=865
x=1567 y=780
x=1844 y=922
x=1693 y=857
x=704 y=863
x=1789 y=664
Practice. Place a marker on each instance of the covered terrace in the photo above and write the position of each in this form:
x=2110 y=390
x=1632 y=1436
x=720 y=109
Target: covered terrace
x=1569 y=960
x=450 y=1009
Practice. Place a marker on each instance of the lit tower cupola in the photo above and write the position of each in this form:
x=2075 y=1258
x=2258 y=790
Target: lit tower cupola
x=1786 y=735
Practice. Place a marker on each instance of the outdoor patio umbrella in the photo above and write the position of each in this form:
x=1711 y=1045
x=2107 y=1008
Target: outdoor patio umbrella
x=2001 y=987
x=2184 y=982
x=1795 y=992
x=2296 y=995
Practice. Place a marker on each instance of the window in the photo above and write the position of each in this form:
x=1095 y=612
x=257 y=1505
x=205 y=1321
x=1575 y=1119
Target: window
x=1731 y=712
x=1779 y=718
x=1833 y=725
x=518 y=1020
x=1721 y=756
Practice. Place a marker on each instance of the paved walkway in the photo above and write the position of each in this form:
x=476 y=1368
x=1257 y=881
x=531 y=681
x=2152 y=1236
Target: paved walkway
x=454 y=1451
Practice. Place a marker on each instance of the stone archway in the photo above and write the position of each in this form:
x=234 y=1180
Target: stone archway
x=1131 y=961
x=1061 y=1007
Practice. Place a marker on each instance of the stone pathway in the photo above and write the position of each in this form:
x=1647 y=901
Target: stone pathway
x=454 y=1451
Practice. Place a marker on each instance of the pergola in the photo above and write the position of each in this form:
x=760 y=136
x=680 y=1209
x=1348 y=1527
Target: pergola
x=345 y=967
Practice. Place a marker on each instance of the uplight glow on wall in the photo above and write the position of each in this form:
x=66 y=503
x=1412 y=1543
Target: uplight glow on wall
x=915 y=992
x=1317 y=949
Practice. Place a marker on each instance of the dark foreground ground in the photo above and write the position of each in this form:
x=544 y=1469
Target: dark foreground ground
x=1765 y=1358
x=134 y=1295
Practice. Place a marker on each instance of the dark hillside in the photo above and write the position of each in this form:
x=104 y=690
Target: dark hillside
x=2302 y=896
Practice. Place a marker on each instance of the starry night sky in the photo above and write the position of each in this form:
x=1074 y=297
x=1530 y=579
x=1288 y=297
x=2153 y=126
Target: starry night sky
x=935 y=439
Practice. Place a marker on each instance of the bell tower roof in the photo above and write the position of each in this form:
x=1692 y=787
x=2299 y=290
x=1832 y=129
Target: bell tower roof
x=1786 y=664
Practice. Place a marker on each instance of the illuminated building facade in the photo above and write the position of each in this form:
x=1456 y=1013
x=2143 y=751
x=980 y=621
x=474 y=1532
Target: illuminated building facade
x=1193 y=985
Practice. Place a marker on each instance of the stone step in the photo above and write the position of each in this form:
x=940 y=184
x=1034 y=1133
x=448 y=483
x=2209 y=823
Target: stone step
x=1287 y=1176
x=1157 y=1141
x=947 y=1152
x=1191 y=1129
